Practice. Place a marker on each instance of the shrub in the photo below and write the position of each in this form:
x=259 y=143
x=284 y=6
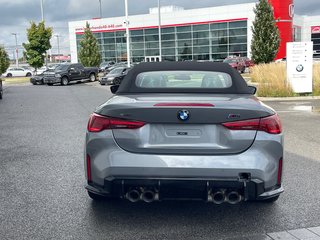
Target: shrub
x=316 y=79
x=272 y=80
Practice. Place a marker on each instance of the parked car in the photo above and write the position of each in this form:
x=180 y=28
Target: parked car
x=248 y=62
x=237 y=63
x=18 y=72
x=103 y=66
x=1 y=89
x=68 y=72
x=115 y=76
x=184 y=130
x=116 y=65
x=39 y=78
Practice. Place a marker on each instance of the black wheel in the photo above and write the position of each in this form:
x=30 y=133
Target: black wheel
x=28 y=74
x=34 y=83
x=9 y=75
x=64 y=81
x=117 y=81
x=271 y=200
x=96 y=197
x=50 y=84
x=1 y=93
x=92 y=77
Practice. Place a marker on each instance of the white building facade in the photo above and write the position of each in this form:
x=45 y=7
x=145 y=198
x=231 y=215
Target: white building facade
x=205 y=34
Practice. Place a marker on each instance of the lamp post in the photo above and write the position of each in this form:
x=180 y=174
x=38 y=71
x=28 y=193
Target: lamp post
x=42 y=12
x=58 y=41
x=100 y=9
x=17 y=53
x=127 y=32
x=159 y=27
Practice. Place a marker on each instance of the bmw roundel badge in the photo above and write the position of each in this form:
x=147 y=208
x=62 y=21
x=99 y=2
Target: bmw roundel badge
x=183 y=115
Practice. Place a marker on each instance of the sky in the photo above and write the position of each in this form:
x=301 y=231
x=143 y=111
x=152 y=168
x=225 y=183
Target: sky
x=17 y=14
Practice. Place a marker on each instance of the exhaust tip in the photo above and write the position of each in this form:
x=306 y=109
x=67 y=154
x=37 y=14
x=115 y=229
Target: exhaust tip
x=148 y=196
x=218 y=197
x=233 y=197
x=133 y=196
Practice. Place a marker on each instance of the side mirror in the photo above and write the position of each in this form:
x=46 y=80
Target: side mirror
x=252 y=90
x=114 y=88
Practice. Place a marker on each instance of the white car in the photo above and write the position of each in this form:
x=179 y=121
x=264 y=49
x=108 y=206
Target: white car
x=41 y=70
x=18 y=72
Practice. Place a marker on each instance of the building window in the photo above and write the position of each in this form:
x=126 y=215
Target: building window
x=214 y=41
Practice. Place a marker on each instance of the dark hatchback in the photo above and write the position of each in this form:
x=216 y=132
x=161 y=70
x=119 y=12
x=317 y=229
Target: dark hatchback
x=38 y=79
x=115 y=76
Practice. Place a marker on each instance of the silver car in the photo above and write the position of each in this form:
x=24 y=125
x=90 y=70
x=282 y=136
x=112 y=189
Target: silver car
x=184 y=130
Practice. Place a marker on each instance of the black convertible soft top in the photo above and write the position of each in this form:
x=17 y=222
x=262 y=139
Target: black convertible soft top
x=128 y=86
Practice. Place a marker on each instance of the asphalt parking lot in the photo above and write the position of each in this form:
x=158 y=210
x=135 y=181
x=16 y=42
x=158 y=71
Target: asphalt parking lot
x=42 y=192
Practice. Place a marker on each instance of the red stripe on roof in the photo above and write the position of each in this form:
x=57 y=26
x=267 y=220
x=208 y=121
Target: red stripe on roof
x=169 y=25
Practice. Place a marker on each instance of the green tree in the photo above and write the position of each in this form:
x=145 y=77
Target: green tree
x=266 y=36
x=38 y=44
x=4 y=61
x=89 y=53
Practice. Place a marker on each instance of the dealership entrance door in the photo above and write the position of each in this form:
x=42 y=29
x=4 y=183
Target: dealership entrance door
x=152 y=59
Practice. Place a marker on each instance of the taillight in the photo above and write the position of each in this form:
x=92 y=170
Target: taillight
x=280 y=171
x=89 y=169
x=98 y=123
x=270 y=124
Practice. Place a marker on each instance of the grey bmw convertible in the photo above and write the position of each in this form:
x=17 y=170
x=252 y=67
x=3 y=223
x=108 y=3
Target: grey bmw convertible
x=184 y=131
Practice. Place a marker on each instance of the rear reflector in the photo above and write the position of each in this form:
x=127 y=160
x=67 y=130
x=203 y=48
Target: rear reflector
x=98 y=123
x=89 y=169
x=280 y=171
x=184 y=105
x=270 y=125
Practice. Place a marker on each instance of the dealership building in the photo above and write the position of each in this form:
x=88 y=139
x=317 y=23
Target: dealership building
x=194 y=34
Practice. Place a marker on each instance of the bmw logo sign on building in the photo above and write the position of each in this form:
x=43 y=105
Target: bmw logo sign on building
x=183 y=115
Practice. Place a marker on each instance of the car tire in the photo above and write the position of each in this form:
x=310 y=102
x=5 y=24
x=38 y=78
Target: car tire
x=96 y=197
x=271 y=200
x=116 y=81
x=50 y=84
x=1 y=93
x=64 y=81
x=92 y=77
x=9 y=75
x=28 y=74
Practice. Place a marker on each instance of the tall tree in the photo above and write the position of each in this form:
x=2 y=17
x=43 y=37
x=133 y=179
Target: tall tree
x=266 y=36
x=89 y=53
x=4 y=61
x=38 y=44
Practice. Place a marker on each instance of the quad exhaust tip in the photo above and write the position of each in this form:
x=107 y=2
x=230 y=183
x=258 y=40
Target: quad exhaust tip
x=233 y=197
x=133 y=196
x=219 y=197
x=147 y=196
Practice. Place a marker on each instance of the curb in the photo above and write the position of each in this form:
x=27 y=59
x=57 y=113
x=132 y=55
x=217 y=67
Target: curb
x=266 y=99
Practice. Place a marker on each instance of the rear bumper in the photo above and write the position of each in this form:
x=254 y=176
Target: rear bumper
x=110 y=164
x=198 y=189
